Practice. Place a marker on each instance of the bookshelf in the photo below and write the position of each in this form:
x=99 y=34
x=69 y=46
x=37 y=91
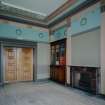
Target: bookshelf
x=58 y=61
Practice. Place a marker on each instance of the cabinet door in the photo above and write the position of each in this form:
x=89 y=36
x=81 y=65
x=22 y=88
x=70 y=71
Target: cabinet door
x=10 y=64
x=56 y=73
x=61 y=74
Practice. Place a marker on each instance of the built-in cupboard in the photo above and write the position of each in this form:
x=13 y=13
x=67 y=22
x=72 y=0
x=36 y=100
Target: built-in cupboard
x=58 y=61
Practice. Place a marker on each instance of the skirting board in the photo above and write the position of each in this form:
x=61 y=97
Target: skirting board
x=68 y=85
x=102 y=96
x=43 y=80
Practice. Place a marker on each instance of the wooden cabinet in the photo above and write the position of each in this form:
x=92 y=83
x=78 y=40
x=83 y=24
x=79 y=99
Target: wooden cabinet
x=58 y=73
x=58 y=61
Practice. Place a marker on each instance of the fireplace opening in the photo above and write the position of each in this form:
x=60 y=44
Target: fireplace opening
x=85 y=78
x=85 y=81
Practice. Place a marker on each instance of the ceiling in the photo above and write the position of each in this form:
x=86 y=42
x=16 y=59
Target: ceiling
x=40 y=12
x=42 y=7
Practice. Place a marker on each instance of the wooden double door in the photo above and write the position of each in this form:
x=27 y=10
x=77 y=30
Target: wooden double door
x=18 y=64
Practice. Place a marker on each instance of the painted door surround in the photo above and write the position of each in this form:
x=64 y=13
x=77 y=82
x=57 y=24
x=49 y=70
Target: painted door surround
x=16 y=44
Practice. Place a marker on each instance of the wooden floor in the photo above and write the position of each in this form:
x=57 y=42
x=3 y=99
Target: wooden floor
x=45 y=94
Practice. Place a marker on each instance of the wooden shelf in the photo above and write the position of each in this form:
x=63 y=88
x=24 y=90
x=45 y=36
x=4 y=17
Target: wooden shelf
x=58 y=61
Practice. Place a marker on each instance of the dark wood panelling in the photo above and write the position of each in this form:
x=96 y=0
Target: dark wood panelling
x=58 y=74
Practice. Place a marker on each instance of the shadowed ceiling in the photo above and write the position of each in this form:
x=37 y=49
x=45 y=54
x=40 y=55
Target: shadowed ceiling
x=44 y=7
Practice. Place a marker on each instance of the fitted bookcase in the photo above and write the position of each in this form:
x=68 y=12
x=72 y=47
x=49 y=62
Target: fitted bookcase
x=58 y=61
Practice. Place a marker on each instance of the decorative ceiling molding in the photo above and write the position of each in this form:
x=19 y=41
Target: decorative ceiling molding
x=24 y=9
x=24 y=16
x=22 y=12
x=63 y=23
x=77 y=9
x=15 y=14
x=60 y=9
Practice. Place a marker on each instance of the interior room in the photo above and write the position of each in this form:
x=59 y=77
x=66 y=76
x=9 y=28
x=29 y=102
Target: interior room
x=52 y=52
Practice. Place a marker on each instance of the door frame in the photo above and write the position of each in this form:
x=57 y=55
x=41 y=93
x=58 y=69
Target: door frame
x=17 y=44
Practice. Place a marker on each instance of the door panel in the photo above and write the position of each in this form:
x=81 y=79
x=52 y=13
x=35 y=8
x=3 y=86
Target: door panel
x=18 y=64
x=25 y=64
x=10 y=64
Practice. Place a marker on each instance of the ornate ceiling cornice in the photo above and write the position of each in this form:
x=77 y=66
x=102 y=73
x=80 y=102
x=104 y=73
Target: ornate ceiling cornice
x=23 y=16
x=60 y=9
x=68 y=14
x=21 y=13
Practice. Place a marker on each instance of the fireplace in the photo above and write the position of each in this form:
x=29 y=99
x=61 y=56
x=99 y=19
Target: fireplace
x=85 y=81
x=85 y=78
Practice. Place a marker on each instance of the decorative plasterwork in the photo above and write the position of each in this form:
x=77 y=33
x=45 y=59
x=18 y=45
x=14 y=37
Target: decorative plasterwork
x=61 y=9
x=60 y=14
x=16 y=12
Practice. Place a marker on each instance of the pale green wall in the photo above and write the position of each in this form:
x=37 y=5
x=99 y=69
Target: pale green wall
x=85 y=49
x=43 y=61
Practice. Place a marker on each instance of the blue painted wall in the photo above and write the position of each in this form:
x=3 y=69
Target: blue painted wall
x=13 y=32
x=59 y=34
x=86 y=20
x=81 y=22
x=74 y=5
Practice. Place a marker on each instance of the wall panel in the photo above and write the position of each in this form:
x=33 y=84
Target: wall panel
x=13 y=30
x=85 y=20
x=43 y=61
x=85 y=49
x=103 y=54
